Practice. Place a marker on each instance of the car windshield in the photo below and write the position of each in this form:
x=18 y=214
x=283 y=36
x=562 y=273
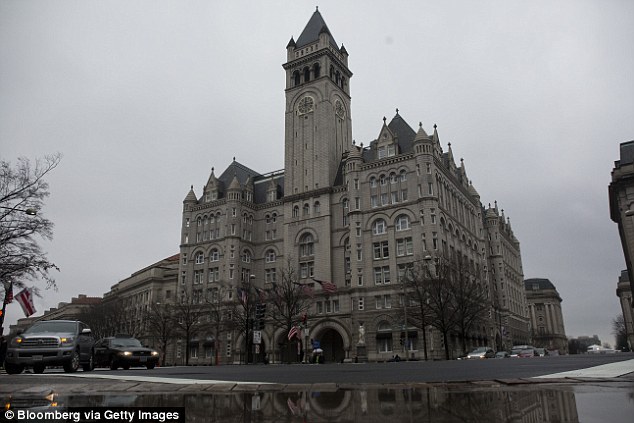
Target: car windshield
x=52 y=327
x=126 y=342
x=479 y=350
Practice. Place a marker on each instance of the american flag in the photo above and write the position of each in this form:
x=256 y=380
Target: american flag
x=25 y=299
x=293 y=332
x=261 y=294
x=328 y=287
x=242 y=295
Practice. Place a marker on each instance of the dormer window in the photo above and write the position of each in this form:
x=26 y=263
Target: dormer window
x=386 y=151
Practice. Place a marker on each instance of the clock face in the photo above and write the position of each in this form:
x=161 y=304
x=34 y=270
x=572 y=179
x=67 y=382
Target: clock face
x=339 y=109
x=306 y=105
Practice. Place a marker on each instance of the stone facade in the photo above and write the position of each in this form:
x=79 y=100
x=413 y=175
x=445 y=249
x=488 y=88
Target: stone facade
x=547 y=321
x=352 y=214
x=621 y=192
x=624 y=292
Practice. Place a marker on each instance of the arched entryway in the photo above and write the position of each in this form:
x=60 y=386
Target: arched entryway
x=332 y=346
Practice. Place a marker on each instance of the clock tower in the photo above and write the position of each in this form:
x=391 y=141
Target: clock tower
x=318 y=123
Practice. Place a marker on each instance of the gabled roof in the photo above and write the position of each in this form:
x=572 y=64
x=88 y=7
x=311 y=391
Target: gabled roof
x=315 y=26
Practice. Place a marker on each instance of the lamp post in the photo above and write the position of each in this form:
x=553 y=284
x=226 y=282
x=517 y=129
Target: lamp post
x=29 y=211
x=405 y=346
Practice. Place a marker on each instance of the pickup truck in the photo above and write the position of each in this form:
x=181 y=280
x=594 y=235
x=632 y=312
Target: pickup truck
x=67 y=343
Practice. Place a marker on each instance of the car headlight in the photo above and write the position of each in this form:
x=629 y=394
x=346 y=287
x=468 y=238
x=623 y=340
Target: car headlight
x=15 y=342
x=154 y=353
x=125 y=353
x=66 y=340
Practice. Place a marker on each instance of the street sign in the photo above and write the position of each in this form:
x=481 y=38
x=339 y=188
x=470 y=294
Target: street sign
x=257 y=337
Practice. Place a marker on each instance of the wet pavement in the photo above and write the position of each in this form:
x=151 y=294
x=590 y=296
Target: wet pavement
x=567 y=399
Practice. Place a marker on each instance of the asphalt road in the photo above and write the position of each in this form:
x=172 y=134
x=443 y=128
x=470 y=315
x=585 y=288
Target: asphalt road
x=363 y=373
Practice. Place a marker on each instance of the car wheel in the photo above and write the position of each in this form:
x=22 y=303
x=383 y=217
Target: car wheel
x=73 y=364
x=13 y=369
x=113 y=364
x=150 y=366
x=39 y=368
x=90 y=365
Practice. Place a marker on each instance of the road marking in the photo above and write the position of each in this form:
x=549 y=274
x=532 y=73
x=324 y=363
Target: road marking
x=174 y=381
x=604 y=371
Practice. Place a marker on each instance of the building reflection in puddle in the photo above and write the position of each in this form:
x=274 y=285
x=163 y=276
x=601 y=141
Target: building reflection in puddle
x=447 y=403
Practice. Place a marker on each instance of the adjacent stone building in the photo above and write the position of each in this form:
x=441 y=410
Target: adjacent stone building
x=547 y=321
x=356 y=214
x=621 y=192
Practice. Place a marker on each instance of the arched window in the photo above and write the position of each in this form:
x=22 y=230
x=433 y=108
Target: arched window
x=316 y=70
x=296 y=211
x=373 y=182
x=214 y=255
x=306 y=246
x=296 y=78
x=317 y=207
x=403 y=175
x=306 y=74
x=246 y=256
x=402 y=222
x=306 y=209
x=393 y=178
x=199 y=221
x=383 y=180
x=200 y=258
x=274 y=217
x=270 y=256
x=379 y=227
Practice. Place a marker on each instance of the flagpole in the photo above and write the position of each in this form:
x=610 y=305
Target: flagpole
x=4 y=306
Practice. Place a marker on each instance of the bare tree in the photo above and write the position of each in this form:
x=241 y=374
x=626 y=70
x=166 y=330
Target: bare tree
x=160 y=326
x=290 y=300
x=471 y=299
x=619 y=331
x=22 y=223
x=188 y=316
x=415 y=285
x=105 y=319
x=441 y=299
x=216 y=310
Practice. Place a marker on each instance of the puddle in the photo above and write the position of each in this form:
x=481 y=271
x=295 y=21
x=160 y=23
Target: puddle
x=446 y=403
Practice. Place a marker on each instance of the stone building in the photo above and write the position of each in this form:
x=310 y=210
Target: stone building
x=624 y=292
x=129 y=300
x=621 y=192
x=352 y=213
x=547 y=321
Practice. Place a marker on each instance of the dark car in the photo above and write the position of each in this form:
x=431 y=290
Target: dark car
x=481 y=352
x=66 y=343
x=124 y=351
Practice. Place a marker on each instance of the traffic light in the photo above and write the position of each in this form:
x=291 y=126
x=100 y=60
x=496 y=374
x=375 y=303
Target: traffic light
x=260 y=314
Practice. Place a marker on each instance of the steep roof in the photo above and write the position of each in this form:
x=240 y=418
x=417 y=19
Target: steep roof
x=240 y=171
x=315 y=26
x=403 y=132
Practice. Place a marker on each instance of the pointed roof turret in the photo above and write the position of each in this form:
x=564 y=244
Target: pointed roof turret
x=235 y=184
x=191 y=196
x=291 y=43
x=315 y=26
x=421 y=134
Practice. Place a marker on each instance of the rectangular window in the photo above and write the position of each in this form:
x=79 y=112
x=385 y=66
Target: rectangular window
x=394 y=197
x=359 y=277
x=384 y=199
x=430 y=188
x=381 y=250
x=335 y=306
x=403 y=195
x=319 y=307
x=357 y=203
x=328 y=307
x=359 y=253
x=387 y=301
x=214 y=274
x=198 y=277
x=374 y=201
x=404 y=247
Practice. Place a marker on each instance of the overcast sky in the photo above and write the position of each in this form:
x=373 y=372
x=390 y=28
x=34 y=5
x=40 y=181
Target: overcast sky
x=143 y=97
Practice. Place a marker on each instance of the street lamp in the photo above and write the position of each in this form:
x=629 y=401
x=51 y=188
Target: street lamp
x=29 y=211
